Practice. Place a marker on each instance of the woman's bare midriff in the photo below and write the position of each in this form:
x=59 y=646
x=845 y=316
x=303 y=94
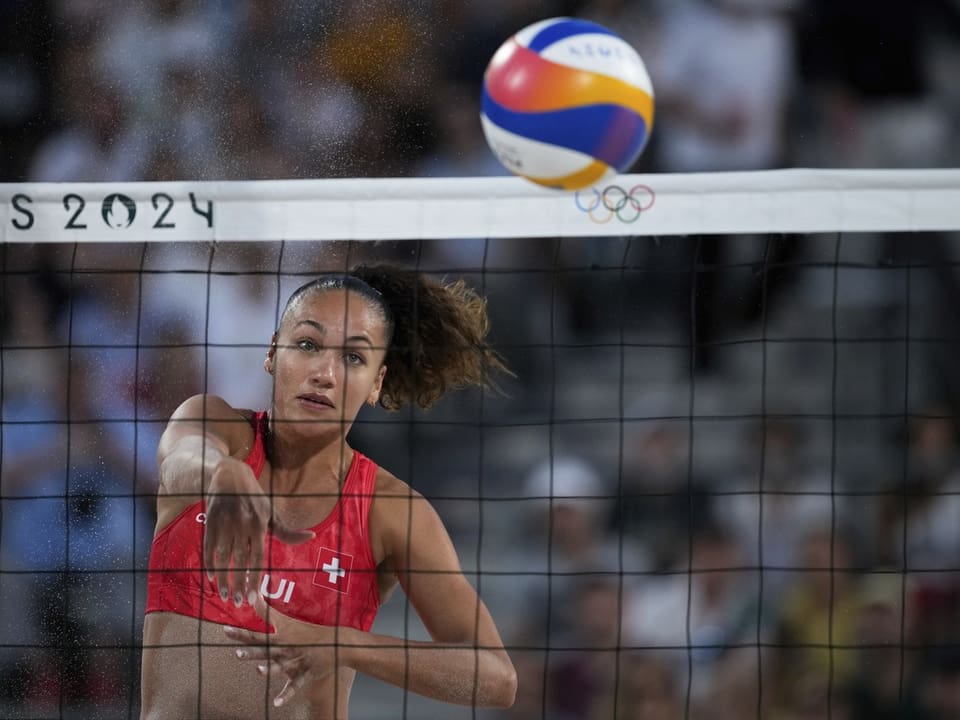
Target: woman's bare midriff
x=190 y=670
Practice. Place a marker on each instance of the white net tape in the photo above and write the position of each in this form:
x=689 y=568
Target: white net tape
x=802 y=201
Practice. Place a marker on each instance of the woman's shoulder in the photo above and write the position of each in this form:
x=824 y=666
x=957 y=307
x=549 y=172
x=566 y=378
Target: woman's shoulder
x=394 y=501
x=388 y=486
x=399 y=516
x=235 y=426
x=210 y=407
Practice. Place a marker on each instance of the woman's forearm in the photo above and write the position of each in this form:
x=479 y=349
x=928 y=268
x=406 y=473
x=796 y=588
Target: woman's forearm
x=454 y=673
x=187 y=469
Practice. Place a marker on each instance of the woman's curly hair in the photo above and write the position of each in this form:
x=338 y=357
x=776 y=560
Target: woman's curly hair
x=436 y=332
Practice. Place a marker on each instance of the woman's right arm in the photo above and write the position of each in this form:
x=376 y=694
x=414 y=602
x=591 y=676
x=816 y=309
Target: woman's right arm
x=199 y=457
x=202 y=433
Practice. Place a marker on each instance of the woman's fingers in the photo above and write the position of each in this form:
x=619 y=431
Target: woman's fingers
x=294 y=683
x=210 y=550
x=259 y=646
x=234 y=532
x=248 y=637
x=270 y=670
x=251 y=584
x=222 y=567
x=254 y=652
x=233 y=552
x=241 y=563
x=273 y=660
x=217 y=549
x=262 y=609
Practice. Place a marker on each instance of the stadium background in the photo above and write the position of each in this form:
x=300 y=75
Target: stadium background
x=799 y=376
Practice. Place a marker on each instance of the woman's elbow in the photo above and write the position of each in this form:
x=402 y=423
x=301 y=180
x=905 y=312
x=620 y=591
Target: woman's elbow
x=504 y=686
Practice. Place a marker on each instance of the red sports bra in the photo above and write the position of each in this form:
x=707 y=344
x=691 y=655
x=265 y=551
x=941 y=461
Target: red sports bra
x=328 y=580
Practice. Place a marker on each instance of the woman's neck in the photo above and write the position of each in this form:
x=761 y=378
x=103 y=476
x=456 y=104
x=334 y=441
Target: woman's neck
x=296 y=460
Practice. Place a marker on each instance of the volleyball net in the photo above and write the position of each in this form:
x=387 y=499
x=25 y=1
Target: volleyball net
x=724 y=478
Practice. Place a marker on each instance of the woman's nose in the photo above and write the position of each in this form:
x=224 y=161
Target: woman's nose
x=325 y=366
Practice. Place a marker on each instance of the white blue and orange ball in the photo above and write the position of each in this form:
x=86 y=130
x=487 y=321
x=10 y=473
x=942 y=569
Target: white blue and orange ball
x=567 y=103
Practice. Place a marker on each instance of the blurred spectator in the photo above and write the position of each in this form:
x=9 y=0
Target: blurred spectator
x=99 y=137
x=99 y=142
x=251 y=148
x=460 y=150
x=77 y=513
x=25 y=34
x=102 y=322
x=584 y=669
x=74 y=528
x=817 y=629
x=192 y=126
x=319 y=113
x=868 y=84
x=168 y=374
x=233 y=312
x=567 y=546
x=938 y=688
x=661 y=502
x=881 y=686
x=30 y=443
x=779 y=501
x=139 y=43
x=929 y=534
x=704 y=615
x=924 y=537
x=718 y=107
x=647 y=690
x=382 y=51
x=815 y=699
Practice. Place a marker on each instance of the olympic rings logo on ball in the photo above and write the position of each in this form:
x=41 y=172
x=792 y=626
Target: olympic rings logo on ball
x=615 y=202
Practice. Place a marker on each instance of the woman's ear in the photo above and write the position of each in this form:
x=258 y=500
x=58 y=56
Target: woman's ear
x=377 y=386
x=271 y=353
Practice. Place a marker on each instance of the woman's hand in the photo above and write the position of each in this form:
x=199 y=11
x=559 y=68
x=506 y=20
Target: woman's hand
x=238 y=515
x=300 y=651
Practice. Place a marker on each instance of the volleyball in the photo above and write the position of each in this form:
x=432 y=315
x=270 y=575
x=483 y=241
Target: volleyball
x=566 y=103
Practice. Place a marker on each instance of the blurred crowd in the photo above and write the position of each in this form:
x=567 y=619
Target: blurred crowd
x=721 y=484
x=166 y=89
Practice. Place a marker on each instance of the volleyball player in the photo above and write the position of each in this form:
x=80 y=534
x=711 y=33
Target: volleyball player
x=276 y=542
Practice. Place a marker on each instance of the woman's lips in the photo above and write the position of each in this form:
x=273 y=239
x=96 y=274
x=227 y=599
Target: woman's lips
x=318 y=402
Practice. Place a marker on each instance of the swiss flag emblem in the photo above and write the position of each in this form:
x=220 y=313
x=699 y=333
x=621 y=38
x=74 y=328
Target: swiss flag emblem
x=333 y=570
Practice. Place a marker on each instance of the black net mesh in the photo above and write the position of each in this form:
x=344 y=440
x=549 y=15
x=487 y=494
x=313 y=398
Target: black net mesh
x=723 y=482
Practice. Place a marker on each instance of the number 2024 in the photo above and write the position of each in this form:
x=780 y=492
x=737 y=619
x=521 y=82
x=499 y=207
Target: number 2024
x=75 y=204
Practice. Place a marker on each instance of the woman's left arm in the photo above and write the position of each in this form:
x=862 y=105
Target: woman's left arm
x=464 y=662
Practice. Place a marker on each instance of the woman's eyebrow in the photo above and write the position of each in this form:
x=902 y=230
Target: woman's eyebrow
x=314 y=324
x=323 y=330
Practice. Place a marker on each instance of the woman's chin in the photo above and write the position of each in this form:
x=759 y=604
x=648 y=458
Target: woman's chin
x=308 y=422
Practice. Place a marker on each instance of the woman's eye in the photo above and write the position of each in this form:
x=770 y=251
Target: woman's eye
x=308 y=345
x=353 y=358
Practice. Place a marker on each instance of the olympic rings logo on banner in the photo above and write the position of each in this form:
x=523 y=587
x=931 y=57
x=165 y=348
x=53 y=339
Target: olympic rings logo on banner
x=615 y=202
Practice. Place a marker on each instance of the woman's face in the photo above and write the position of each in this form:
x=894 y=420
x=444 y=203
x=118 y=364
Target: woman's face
x=327 y=360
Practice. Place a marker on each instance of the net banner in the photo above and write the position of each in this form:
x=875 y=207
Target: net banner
x=794 y=200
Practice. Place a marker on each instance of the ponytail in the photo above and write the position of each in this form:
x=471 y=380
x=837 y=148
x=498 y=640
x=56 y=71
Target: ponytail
x=437 y=336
